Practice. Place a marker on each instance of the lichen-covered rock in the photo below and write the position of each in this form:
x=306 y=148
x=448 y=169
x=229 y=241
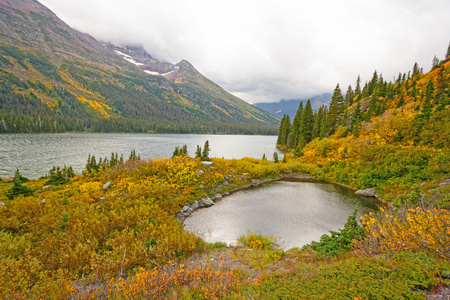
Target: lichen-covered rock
x=107 y=185
x=207 y=163
x=370 y=192
x=216 y=197
x=205 y=202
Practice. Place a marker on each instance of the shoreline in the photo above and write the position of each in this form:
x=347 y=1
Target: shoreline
x=185 y=213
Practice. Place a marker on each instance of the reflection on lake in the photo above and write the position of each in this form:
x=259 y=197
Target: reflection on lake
x=35 y=154
x=298 y=212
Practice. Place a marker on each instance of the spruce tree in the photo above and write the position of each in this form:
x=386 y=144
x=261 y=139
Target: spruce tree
x=18 y=188
x=373 y=83
x=435 y=63
x=318 y=118
x=295 y=128
x=280 y=130
x=358 y=86
x=206 y=149
x=306 y=126
x=198 y=152
x=336 y=110
x=349 y=96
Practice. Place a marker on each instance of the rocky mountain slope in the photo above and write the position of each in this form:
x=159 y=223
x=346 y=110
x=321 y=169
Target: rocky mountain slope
x=54 y=78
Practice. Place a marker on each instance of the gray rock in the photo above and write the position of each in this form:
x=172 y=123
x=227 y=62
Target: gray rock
x=2 y=204
x=370 y=192
x=201 y=186
x=216 y=197
x=205 y=202
x=207 y=163
x=226 y=183
x=107 y=185
x=225 y=194
x=444 y=183
x=185 y=208
x=194 y=205
x=200 y=172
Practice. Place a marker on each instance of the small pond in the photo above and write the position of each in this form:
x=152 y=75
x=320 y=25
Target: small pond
x=297 y=212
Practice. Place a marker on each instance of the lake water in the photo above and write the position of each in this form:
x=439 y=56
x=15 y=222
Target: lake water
x=298 y=212
x=35 y=154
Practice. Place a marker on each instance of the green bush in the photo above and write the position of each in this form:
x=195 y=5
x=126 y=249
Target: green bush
x=340 y=242
x=18 y=188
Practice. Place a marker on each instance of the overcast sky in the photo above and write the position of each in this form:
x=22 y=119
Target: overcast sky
x=268 y=50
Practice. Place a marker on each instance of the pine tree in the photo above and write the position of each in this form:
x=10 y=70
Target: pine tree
x=318 y=122
x=358 y=86
x=18 y=188
x=306 y=126
x=336 y=110
x=373 y=83
x=416 y=70
x=435 y=63
x=206 y=149
x=280 y=130
x=295 y=128
x=349 y=96
x=198 y=153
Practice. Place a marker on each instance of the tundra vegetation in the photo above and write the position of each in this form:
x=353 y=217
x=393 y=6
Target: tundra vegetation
x=66 y=236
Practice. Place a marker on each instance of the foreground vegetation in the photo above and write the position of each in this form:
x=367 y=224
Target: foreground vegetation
x=77 y=239
x=67 y=236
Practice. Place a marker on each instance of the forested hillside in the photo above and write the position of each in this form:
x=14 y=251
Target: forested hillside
x=54 y=79
x=383 y=134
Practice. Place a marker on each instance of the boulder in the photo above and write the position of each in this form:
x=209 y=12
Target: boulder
x=207 y=163
x=185 y=208
x=205 y=202
x=200 y=172
x=2 y=204
x=370 y=192
x=226 y=183
x=216 y=197
x=194 y=205
x=107 y=185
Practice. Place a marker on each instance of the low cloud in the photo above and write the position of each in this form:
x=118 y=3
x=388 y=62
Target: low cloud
x=265 y=51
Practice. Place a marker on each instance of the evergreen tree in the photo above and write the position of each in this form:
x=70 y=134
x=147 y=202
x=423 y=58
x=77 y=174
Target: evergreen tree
x=275 y=157
x=198 y=153
x=285 y=127
x=416 y=70
x=318 y=118
x=206 y=149
x=373 y=83
x=336 y=110
x=295 y=128
x=18 y=188
x=280 y=130
x=349 y=96
x=435 y=63
x=306 y=126
x=358 y=86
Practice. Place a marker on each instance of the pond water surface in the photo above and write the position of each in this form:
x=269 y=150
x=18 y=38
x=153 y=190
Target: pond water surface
x=298 y=212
